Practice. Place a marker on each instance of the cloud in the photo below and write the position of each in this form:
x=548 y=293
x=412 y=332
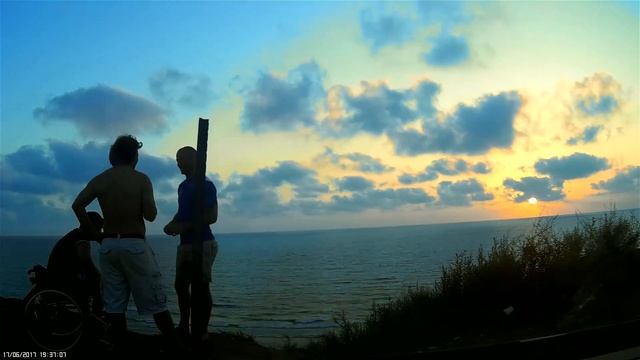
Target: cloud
x=27 y=214
x=541 y=188
x=172 y=86
x=375 y=111
x=625 y=181
x=385 y=199
x=425 y=95
x=444 y=13
x=481 y=168
x=380 y=30
x=104 y=112
x=75 y=164
x=577 y=165
x=15 y=181
x=593 y=106
x=447 y=50
x=353 y=183
x=471 y=129
x=447 y=167
x=587 y=136
x=462 y=193
x=354 y=161
x=408 y=179
x=38 y=183
x=283 y=104
x=257 y=193
x=597 y=95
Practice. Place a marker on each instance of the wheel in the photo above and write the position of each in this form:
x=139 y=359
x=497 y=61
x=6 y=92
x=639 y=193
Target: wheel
x=54 y=320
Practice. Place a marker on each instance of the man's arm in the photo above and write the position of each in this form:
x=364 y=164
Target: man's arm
x=170 y=228
x=149 y=210
x=84 y=198
x=211 y=214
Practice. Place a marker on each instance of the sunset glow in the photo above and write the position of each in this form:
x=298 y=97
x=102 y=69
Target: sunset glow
x=322 y=117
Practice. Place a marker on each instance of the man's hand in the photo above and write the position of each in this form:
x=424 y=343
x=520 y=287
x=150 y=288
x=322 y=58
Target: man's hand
x=171 y=229
x=174 y=228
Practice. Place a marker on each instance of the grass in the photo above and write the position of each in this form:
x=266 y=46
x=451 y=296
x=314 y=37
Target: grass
x=539 y=283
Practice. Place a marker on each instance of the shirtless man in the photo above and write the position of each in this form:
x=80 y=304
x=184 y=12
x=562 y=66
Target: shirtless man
x=127 y=262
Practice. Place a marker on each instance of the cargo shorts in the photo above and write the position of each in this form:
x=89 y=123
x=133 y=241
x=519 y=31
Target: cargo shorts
x=129 y=266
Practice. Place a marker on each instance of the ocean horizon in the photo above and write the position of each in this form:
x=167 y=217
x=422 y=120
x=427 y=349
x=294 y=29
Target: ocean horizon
x=283 y=285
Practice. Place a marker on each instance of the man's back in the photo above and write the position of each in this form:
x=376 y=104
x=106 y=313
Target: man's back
x=125 y=197
x=63 y=260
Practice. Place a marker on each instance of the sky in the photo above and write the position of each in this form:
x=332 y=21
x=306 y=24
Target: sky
x=325 y=114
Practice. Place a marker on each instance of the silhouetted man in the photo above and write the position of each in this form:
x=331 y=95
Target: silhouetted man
x=71 y=269
x=127 y=262
x=197 y=303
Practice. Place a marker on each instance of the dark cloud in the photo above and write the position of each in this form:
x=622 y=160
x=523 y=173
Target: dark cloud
x=481 y=168
x=375 y=111
x=541 y=188
x=380 y=30
x=447 y=167
x=447 y=50
x=588 y=135
x=425 y=95
x=104 y=112
x=625 y=181
x=32 y=160
x=276 y=104
x=76 y=164
x=385 y=199
x=408 y=179
x=594 y=106
x=256 y=194
x=172 y=86
x=461 y=193
x=16 y=181
x=354 y=161
x=26 y=214
x=353 y=183
x=471 y=129
x=577 y=165
x=38 y=183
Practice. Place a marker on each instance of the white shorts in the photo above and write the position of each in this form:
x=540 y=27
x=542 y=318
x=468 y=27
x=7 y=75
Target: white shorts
x=130 y=266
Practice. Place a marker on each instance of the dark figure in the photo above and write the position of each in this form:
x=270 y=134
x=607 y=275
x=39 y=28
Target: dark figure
x=127 y=262
x=195 y=304
x=71 y=269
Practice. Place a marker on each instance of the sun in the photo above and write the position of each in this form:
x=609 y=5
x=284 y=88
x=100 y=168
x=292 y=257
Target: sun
x=532 y=200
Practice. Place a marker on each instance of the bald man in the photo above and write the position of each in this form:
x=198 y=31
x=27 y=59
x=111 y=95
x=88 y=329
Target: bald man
x=194 y=300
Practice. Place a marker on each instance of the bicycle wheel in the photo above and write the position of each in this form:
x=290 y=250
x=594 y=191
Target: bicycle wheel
x=54 y=320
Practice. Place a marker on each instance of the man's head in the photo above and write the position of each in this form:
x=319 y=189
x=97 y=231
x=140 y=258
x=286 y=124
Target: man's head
x=124 y=151
x=186 y=159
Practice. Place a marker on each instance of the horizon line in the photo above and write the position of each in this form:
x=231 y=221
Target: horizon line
x=385 y=226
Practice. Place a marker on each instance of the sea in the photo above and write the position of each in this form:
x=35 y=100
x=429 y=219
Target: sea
x=290 y=287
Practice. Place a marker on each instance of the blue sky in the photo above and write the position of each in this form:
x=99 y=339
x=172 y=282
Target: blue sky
x=335 y=114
